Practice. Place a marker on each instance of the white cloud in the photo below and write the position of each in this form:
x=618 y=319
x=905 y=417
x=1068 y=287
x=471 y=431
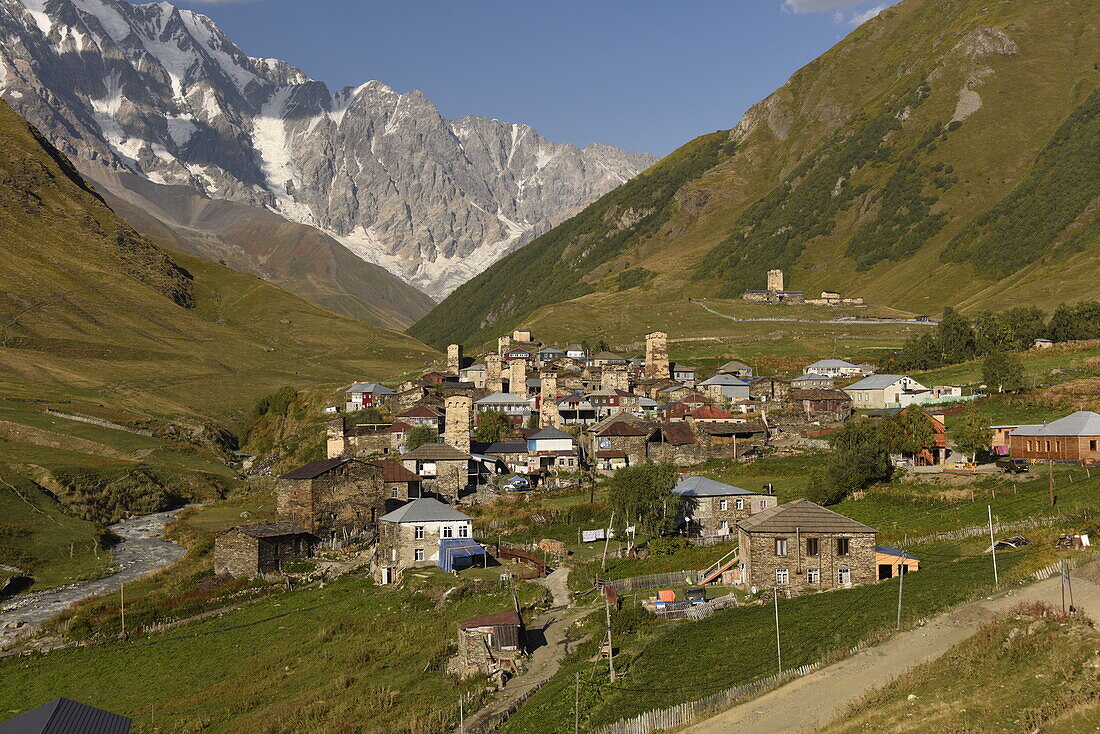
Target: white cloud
x=866 y=15
x=814 y=6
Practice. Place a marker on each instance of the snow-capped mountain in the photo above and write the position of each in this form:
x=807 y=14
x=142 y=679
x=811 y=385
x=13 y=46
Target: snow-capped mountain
x=162 y=92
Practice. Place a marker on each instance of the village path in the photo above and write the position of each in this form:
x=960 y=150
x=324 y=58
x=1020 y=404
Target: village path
x=544 y=661
x=834 y=688
x=844 y=320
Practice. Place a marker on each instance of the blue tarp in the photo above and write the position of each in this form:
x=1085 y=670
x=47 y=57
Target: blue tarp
x=458 y=553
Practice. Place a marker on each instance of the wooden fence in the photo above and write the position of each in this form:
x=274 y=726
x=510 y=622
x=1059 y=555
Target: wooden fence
x=652 y=581
x=695 y=612
x=1003 y=527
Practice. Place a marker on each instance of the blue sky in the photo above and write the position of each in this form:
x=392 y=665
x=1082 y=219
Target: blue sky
x=639 y=74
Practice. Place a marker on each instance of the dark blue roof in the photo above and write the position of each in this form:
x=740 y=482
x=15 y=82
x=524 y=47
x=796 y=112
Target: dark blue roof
x=894 y=552
x=62 y=716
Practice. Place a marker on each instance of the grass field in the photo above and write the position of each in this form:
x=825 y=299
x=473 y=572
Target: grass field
x=1034 y=670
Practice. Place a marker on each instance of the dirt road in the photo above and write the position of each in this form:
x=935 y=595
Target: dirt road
x=544 y=661
x=833 y=688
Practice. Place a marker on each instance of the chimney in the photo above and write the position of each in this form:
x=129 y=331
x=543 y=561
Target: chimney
x=456 y=430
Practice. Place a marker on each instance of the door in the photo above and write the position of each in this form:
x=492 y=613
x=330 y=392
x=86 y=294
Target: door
x=885 y=571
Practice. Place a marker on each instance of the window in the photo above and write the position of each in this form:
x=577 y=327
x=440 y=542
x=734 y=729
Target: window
x=393 y=492
x=813 y=575
x=739 y=503
x=723 y=504
x=813 y=547
x=842 y=546
x=780 y=546
x=1092 y=444
x=418 y=554
x=448 y=531
x=782 y=576
x=419 y=532
x=724 y=525
x=463 y=531
x=393 y=554
x=763 y=504
x=844 y=576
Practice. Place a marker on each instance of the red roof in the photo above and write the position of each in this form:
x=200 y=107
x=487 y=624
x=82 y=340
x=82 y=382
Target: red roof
x=392 y=471
x=491 y=620
x=400 y=427
x=620 y=428
x=420 y=411
x=710 y=412
x=677 y=434
x=610 y=454
x=694 y=398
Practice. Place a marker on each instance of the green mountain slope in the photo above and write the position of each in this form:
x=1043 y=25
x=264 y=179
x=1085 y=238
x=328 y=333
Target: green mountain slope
x=91 y=311
x=943 y=153
x=298 y=258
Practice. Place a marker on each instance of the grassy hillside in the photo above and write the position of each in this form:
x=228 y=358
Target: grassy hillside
x=940 y=154
x=298 y=258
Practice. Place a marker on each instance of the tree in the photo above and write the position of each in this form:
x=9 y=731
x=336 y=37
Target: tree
x=492 y=425
x=860 y=457
x=418 y=436
x=366 y=415
x=533 y=420
x=1004 y=372
x=821 y=489
x=909 y=432
x=643 y=495
x=957 y=340
x=971 y=436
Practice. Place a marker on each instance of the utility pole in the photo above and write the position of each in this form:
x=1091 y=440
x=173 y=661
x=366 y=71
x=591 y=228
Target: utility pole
x=461 y=717
x=606 y=540
x=610 y=647
x=1065 y=577
x=1050 y=480
x=993 y=546
x=577 y=704
x=778 y=649
x=122 y=593
x=902 y=568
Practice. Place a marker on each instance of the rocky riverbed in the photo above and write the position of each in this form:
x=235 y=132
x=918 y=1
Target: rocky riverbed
x=142 y=550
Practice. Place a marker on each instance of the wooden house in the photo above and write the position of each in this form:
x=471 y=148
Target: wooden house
x=1075 y=438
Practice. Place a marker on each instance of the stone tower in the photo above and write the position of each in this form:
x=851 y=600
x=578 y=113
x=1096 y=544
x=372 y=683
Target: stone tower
x=656 y=355
x=615 y=377
x=548 y=400
x=454 y=358
x=456 y=431
x=517 y=378
x=336 y=444
x=494 y=381
x=775 y=280
x=504 y=344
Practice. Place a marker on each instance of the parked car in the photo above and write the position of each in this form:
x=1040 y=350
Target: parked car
x=1013 y=466
x=516 y=484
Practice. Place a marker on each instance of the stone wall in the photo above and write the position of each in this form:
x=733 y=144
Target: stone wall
x=236 y=554
x=348 y=498
x=761 y=562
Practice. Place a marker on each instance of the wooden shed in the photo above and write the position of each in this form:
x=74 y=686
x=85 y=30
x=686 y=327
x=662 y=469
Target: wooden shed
x=491 y=642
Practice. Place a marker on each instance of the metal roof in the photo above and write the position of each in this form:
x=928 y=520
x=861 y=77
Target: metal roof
x=723 y=379
x=437 y=452
x=314 y=469
x=371 y=387
x=894 y=552
x=802 y=514
x=827 y=363
x=425 y=509
x=877 y=382
x=63 y=716
x=1081 y=423
x=549 y=432
x=500 y=397
x=706 y=487
x=491 y=620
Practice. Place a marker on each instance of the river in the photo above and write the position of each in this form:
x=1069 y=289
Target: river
x=142 y=550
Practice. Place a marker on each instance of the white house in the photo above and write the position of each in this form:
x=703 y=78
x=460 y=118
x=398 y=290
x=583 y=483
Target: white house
x=886 y=391
x=574 y=351
x=724 y=387
x=552 y=448
x=833 y=368
x=516 y=408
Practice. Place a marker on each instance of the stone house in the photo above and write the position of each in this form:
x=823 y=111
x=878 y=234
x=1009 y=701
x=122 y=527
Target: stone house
x=371 y=439
x=712 y=508
x=603 y=359
x=729 y=439
x=333 y=496
x=411 y=536
x=812 y=381
x=725 y=388
x=618 y=444
x=682 y=373
x=399 y=485
x=769 y=389
x=830 y=406
x=801 y=547
x=445 y=470
x=256 y=550
x=736 y=368
x=675 y=442
x=491 y=642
